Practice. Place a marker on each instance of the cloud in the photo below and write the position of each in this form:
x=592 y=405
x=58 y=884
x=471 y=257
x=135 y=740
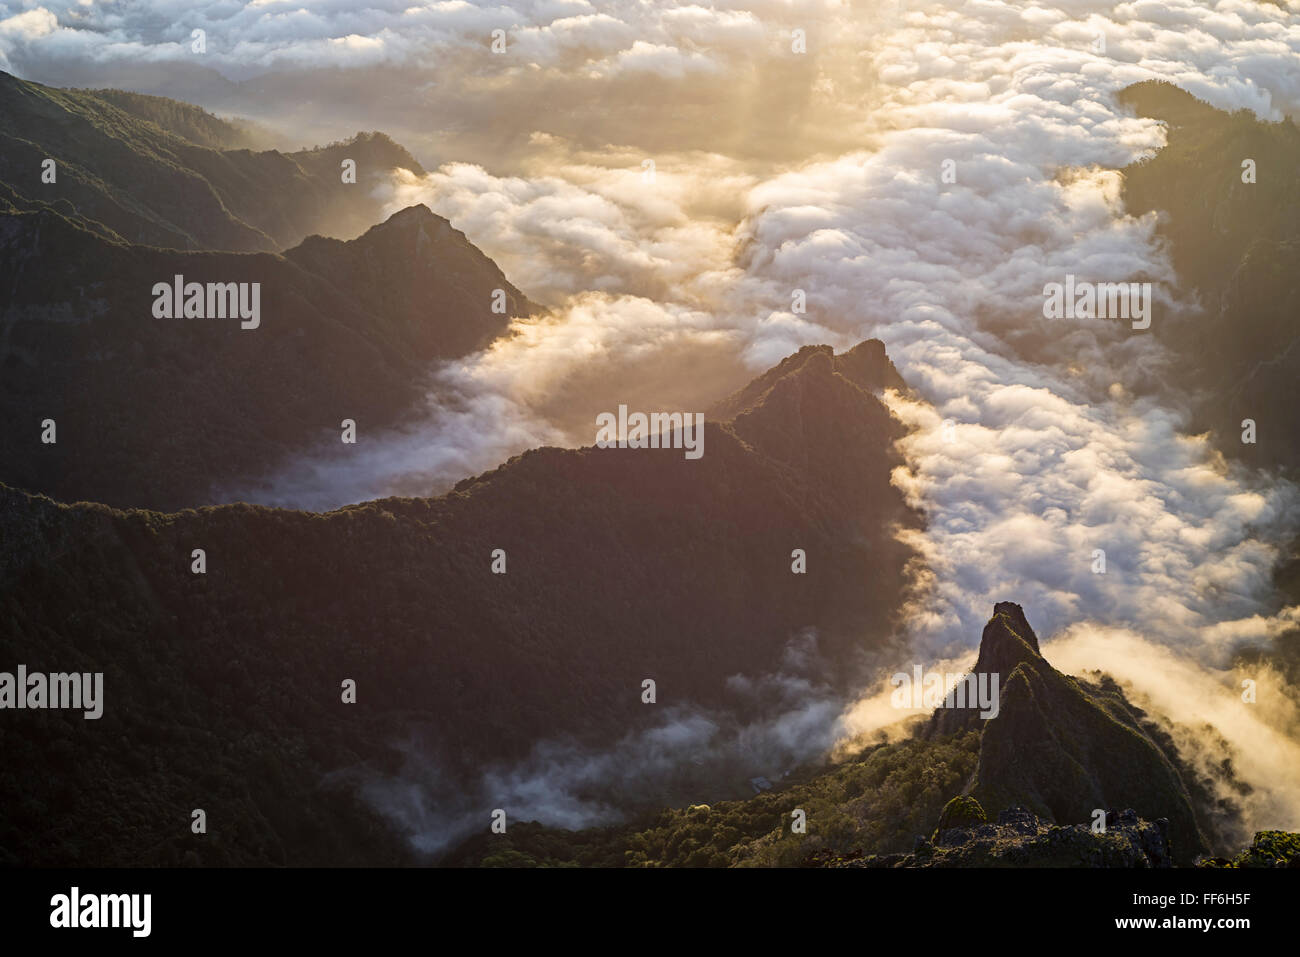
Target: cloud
x=1203 y=709
x=658 y=58
x=684 y=756
x=31 y=25
x=1058 y=445
x=540 y=384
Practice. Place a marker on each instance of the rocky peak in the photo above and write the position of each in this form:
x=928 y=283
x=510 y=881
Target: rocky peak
x=1007 y=641
x=869 y=367
x=866 y=366
x=411 y=217
x=427 y=283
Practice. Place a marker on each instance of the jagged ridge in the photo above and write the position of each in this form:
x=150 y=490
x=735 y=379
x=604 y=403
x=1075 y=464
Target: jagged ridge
x=623 y=564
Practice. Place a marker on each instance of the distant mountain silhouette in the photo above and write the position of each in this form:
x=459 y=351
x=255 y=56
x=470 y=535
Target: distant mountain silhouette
x=155 y=412
x=159 y=172
x=1238 y=245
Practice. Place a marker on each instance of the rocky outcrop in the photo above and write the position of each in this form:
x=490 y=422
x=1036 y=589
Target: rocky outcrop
x=1020 y=838
x=1063 y=747
x=1268 y=849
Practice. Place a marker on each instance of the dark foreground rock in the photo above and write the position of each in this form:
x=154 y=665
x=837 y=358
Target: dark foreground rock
x=1020 y=838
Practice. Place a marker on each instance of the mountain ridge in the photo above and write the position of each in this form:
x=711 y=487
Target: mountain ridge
x=161 y=172
x=346 y=334
x=227 y=683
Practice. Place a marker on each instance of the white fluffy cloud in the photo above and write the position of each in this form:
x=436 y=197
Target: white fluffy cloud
x=1058 y=448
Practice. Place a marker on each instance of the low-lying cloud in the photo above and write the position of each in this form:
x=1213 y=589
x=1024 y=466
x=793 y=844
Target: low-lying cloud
x=920 y=174
x=990 y=171
x=686 y=755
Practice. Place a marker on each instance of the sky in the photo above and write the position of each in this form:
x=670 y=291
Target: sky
x=664 y=178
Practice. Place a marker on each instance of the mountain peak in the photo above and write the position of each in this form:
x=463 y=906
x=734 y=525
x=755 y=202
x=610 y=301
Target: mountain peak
x=419 y=213
x=422 y=225
x=1061 y=746
x=866 y=365
x=424 y=275
x=376 y=150
x=1007 y=640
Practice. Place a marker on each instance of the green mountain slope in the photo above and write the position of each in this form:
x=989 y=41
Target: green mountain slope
x=185 y=120
x=1063 y=747
x=1059 y=748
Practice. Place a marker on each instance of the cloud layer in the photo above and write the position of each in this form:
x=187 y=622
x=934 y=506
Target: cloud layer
x=920 y=173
